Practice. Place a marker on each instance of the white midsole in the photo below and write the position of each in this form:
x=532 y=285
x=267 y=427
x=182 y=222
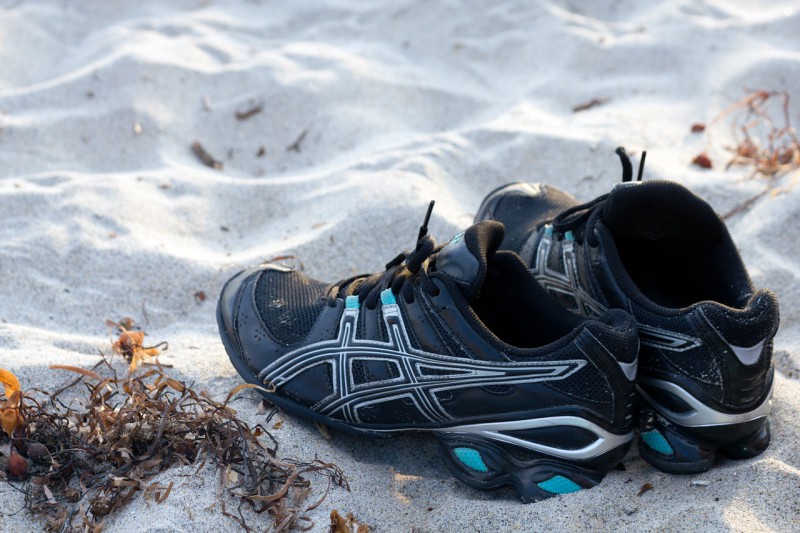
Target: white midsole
x=701 y=415
x=605 y=442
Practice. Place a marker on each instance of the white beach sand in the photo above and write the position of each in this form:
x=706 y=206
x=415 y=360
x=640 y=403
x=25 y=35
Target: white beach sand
x=105 y=212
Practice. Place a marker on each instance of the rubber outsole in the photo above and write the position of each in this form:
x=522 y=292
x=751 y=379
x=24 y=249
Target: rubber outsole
x=680 y=450
x=487 y=465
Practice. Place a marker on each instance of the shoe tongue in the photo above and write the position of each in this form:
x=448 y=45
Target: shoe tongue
x=465 y=256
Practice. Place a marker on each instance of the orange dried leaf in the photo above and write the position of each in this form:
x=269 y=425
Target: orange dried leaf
x=339 y=523
x=9 y=413
x=128 y=340
x=130 y=346
x=348 y=524
x=10 y=383
x=10 y=419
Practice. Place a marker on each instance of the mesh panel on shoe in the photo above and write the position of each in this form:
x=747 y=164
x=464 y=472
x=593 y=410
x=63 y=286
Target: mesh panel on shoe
x=289 y=304
x=368 y=371
x=588 y=384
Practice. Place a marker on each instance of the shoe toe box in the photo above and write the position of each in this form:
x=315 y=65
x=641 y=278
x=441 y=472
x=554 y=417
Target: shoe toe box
x=267 y=311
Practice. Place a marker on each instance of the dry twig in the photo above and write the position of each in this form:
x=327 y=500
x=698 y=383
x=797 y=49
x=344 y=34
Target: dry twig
x=206 y=158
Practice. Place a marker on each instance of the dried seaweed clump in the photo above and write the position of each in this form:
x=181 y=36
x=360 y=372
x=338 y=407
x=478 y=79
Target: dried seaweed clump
x=762 y=129
x=88 y=461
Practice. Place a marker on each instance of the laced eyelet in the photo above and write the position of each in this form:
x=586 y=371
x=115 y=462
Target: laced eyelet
x=404 y=269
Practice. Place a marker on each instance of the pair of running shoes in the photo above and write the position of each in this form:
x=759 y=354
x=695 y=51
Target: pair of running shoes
x=534 y=345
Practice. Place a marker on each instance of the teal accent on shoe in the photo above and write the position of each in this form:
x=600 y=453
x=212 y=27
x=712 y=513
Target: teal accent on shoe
x=569 y=236
x=457 y=237
x=387 y=297
x=559 y=485
x=655 y=440
x=351 y=302
x=471 y=458
x=548 y=231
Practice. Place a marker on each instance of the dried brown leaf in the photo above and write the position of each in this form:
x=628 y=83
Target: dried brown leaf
x=244 y=386
x=158 y=495
x=78 y=370
x=17 y=465
x=644 y=488
x=703 y=161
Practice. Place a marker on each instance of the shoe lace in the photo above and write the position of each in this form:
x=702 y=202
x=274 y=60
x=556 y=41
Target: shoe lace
x=400 y=276
x=586 y=215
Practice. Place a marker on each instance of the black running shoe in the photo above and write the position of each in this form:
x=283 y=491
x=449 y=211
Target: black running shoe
x=457 y=340
x=660 y=252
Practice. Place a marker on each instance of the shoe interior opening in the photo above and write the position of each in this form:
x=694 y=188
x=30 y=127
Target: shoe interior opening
x=516 y=308
x=678 y=252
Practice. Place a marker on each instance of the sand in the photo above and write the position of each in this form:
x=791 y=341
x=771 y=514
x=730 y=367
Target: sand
x=367 y=112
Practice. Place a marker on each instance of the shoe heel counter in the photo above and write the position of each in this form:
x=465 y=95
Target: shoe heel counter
x=612 y=343
x=743 y=340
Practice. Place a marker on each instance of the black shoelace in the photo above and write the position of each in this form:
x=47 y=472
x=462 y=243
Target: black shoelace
x=582 y=218
x=400 y=276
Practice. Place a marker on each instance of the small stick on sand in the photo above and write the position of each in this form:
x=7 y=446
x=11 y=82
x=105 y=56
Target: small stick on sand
x=295 y=146
x=249 y=112
x=594 y=102
x=206 y=158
